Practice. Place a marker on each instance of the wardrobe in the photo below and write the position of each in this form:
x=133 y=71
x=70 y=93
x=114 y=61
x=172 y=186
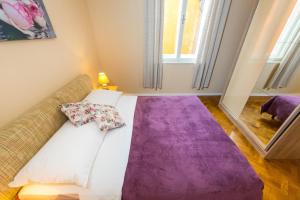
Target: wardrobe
x=262 y=96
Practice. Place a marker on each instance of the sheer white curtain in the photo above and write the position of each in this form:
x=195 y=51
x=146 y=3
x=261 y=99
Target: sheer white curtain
x=153 y=67
x=286 y=68
x=212 y=26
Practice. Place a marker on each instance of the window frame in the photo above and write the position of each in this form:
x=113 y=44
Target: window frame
x=289 y=35
x=178 y=57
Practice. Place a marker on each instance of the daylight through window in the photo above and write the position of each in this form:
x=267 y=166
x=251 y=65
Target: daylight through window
x=181 y=29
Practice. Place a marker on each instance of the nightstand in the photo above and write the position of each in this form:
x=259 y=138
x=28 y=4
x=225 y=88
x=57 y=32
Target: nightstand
x=110 y=87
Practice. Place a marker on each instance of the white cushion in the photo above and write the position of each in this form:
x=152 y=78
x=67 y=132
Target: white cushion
x=106 y=97
x=66 y=158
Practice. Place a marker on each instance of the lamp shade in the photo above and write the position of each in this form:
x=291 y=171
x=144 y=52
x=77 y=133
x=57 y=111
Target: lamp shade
x=103 y=79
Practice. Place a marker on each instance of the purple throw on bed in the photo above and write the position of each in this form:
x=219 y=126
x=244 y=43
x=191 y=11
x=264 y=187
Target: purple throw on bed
x=281 y=106
x=179 y=152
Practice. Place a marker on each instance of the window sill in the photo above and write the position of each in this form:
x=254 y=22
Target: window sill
x=178 y=61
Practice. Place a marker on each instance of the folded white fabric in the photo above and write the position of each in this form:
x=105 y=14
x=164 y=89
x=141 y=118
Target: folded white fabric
x=67 y=158
x=104 y=97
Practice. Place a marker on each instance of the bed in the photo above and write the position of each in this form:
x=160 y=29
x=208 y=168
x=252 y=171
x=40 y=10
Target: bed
x=281 y=106
x=171 y=148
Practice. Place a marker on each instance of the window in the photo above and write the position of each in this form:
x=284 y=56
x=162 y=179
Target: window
x=287 y=37
x=181 y=30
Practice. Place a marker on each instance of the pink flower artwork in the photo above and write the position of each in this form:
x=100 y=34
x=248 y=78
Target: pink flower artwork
x=24 y=19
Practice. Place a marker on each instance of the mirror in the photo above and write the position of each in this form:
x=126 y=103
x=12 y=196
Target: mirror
x=263 y=94
x=276 y=92
x=267 y=109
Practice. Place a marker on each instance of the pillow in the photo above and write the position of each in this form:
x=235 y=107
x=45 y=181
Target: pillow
x=78 y=113
x=107 y=117
x=67 y=158
x=105 y=97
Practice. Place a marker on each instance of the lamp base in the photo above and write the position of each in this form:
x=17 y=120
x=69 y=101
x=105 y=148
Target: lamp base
x=108 y=87
x=104 y=86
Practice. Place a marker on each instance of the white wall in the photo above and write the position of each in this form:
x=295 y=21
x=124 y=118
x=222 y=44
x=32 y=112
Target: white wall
x=119 y=33
x=268 y=22
x=32 y=70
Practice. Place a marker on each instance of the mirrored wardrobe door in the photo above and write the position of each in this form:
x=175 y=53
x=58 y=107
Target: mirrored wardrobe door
x=263 y=93
x=276 y=93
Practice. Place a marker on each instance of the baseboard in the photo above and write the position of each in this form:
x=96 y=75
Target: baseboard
x=210 y=94
x=272 y=94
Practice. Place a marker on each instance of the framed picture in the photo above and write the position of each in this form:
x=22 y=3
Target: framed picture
x=24 y=20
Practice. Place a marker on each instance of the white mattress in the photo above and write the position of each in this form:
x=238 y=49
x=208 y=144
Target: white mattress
x=107 y=176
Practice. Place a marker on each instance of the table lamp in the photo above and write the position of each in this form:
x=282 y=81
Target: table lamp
x=103 y=79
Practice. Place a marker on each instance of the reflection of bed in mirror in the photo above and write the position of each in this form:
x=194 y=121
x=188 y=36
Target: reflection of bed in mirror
x=261 y=124
x=265 y=114
x=270 y=105
x=281 y=107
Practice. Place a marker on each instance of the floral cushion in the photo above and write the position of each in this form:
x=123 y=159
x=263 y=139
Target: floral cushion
x=107 y=117
x=78 y=113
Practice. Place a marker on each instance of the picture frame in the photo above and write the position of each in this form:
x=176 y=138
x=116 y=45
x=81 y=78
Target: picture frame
x=24 y=20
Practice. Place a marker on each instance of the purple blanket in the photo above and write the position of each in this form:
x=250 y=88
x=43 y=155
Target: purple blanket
x=281 y=106
x=179 y=152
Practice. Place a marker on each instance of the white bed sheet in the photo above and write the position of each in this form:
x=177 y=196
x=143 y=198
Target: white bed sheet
x=107 y=176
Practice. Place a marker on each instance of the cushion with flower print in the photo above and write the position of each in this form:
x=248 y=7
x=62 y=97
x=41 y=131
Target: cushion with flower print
x=107 y=117
x=79 y=113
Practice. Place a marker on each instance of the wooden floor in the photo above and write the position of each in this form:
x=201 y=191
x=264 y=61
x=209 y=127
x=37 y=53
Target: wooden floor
x=281 y=177
x=262 y=125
